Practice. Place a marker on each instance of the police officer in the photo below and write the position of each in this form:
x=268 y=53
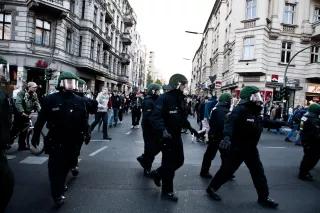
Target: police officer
x=92 y=107
x=66 y=117
x=310 y=139
x=216 y=123
x=168 y=119
x=6 y=175
x=151 y=144
x=242 y=132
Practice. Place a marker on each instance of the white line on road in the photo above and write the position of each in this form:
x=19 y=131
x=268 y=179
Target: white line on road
x=99 y=150
x=10 y=157
x=274 y=147
x=99 y=140
x=34 y=160
x=128 y=133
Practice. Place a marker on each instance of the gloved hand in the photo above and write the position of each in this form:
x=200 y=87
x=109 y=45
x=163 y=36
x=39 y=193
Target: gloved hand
x=225 y=144
x=166 y=134
x=194 y=132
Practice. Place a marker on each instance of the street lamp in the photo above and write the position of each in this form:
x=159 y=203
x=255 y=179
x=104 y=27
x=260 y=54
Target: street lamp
x=193 y=32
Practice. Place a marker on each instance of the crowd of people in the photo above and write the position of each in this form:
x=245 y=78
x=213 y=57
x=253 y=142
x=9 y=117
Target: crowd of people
x=229 y=125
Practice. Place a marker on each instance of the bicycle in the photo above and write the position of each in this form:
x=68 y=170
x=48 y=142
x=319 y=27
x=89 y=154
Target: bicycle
x=30 y=129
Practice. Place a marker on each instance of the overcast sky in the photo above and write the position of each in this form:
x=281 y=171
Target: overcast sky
x=162 y=25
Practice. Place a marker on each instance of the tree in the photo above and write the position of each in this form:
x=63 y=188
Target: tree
x=158 y=82
x=149 y=79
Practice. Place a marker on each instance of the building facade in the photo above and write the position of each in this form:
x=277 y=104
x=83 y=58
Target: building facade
x=92 y=38
x=250 y=42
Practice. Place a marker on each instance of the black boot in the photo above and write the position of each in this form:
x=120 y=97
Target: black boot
x=140 y=159
x=306 y=177
x=213 y=194
x=268 y=203
x=75 y=171
x=154 y=174
x=59 y=201
x=169 y=196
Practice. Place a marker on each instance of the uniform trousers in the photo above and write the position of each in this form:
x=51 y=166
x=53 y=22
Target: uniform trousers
x=310 y=159
x=151 y=146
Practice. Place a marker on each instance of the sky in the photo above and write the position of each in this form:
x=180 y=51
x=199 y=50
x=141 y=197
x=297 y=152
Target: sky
x=162 y=25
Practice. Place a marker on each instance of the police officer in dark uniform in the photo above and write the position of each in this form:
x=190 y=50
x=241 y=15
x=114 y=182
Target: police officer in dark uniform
x=151 y=143
x=216 y=123
x=92 y=107
x=242 y=132
x=168 y=119
x=310 y=139
x=6 y=175
x=66 y=117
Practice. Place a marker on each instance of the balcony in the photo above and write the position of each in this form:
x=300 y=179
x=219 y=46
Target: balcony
x=125 y=58
x=123 y=79
x=128 y=20
x=316 y=30
x=54 y=8
x=288 y=28
x=126 y=38
x=109 y=15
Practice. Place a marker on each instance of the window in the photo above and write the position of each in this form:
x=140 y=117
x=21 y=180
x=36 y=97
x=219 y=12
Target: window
x=116 y=43
x=117 y=21
x=316 y=14
x=314 y=55
x=101 y=20
x=248 y=48
x=288 y=16
x=83 y=8
x=286 y=49
x=114 y=66
x=5 y=26
x=251 y=7
x=92 y=49
x=72 y=6
x=69 y=41
x=80 y=45
x=98 y=53
x=95 y=15
x=105 y=57
x=110 y=62
x=43 y=30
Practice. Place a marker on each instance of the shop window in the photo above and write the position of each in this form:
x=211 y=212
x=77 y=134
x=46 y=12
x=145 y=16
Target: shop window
x=314 y=55
x=43 y=31
x=288 y=15
x=286 y=52
x=248 y=48
x=5 y=26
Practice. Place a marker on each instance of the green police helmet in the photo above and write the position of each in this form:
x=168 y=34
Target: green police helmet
x=247 y=91
x=66 y=75
x=177 y=79
x=153 y=87
x=81 y=82
x=314 y=108
x=225 y=98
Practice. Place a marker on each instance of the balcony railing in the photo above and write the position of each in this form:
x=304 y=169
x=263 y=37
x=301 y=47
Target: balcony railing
x=128 y=21
x=51 y=7
x=125 y=58
x=288 y=28
x=126 y=38
x=250 y=24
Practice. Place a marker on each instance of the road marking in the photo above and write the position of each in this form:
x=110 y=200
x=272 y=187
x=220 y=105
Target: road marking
x=128 y=133
x=34 y=160
x=274 y=147
x=10 y=157
x=99 y=140
x=99 y=150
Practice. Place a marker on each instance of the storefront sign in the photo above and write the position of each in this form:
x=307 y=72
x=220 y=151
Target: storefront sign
x=274 y=78
x=314 y=89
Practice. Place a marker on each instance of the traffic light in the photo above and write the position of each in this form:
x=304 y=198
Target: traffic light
x=284 y=92
x=48 y=74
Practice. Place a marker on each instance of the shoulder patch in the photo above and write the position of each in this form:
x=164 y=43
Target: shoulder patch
x=304 y=118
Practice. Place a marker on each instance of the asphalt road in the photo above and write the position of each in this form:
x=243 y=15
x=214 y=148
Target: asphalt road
x=111 y=180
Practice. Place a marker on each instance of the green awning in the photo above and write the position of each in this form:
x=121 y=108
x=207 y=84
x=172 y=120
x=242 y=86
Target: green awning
x=3 y=61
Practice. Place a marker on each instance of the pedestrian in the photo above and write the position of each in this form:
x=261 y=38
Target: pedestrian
x=102 y=113
x=216 y=121
x=151 y=142
x=116 y=104
x=136 y=104
x=169 y=117
x=310 y=139
x=26 y=102
x=6 y=175
x=122 y=107
x=242 y=132
x=66 y=116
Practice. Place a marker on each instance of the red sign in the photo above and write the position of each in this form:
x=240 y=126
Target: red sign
x=274 y=78
x=41 y=64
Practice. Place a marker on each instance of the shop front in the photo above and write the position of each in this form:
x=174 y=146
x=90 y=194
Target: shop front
x=313 y=94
